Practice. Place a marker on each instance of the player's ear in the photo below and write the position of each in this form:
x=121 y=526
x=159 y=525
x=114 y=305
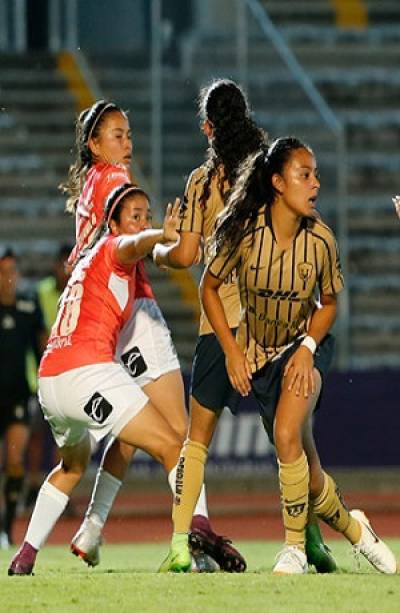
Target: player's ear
x=113 y=226
x=277 y=183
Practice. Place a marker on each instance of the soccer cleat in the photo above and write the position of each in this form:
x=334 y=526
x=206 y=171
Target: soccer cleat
x=86 y=542
x=318 y=554
x=179 y=559
x=202 y=562
x=23 y=561
x=372 y=547
x=203 y=538
x=290 y=561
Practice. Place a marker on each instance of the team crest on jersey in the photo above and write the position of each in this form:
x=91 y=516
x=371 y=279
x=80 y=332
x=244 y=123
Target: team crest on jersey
x=305 y=270
x=134 y=362
x=98 y=408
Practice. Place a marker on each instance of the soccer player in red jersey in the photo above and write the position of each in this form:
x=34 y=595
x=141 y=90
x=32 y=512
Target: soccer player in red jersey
x=145 y=347
x=82 y=389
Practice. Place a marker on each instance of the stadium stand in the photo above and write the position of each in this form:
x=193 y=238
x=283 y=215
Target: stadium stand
x=354 y=67
x=36 y=138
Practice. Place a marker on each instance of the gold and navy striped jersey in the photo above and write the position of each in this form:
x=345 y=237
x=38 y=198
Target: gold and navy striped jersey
x=200 y=218
x=279 y=289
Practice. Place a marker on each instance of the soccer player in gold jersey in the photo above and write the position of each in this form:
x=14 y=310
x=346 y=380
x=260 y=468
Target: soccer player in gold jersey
x=289 y=275
x=233 y=136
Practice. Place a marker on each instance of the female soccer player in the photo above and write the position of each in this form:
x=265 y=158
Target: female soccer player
x=145 y=348
x=232 y=135
x=82 y=389
x=289 y=276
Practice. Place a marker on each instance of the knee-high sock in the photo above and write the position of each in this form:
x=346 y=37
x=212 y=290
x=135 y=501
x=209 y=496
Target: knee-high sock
x=330 y=506
x=189 y=479
x=104 y=492
x=201 y=505
x=49 y=506
x=12 y=491
x=294 y=479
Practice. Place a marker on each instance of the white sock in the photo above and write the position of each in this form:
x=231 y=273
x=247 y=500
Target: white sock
x=104 y=492
x=201 y=506
x=49 y=506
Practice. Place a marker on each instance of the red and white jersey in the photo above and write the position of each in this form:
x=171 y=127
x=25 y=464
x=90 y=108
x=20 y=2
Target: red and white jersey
x=101 y=180
x=95 y=305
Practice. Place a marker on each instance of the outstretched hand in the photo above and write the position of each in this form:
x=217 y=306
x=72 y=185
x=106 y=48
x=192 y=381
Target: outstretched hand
x=171 y=222
x=396 y=202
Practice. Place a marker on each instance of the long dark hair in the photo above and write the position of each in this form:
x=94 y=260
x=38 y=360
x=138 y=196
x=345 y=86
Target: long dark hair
x=87 y=126
x=253 y=189
x=224 y=104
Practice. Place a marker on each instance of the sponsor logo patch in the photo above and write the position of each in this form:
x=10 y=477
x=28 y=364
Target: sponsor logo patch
x=134 y=362
x=98 y=408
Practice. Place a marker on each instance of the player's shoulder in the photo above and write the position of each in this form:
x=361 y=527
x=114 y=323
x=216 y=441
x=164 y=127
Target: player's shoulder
x=320 y=229
x=109 y=173
x=197 y=176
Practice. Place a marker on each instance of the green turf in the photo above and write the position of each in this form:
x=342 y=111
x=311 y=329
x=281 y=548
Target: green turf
x=126 y=581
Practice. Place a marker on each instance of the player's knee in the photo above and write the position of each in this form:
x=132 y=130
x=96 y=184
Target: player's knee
x=169 y=449
x=181 y=432
x=286 y=439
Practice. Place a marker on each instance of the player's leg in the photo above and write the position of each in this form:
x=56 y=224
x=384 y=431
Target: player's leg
x=318 y=554
x=146 y=353
x=355 y=527
x=167 y=394
x=51 y=501
x=189 y=481
x=292 y=411
x=16 y=440
x=110 y=474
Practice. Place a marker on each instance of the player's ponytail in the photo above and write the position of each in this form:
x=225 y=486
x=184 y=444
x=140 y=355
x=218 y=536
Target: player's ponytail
x=253 y=190
x=235 y=135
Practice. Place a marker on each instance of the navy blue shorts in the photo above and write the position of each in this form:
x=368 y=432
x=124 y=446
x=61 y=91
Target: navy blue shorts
x=267 y=382
x=209 y=383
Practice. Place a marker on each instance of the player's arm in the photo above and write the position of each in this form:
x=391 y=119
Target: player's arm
x=238 y=368
x=130 y=249
x=182 y=254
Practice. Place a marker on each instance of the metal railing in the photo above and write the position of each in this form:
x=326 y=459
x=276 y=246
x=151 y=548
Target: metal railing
x=333 y=123
x=62 y=19
x=13 y=25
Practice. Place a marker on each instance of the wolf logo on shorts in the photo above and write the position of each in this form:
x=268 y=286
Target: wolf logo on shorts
x=98 y=408
x=134 y=362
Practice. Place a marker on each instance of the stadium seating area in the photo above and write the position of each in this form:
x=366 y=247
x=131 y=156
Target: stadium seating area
x=357 y=71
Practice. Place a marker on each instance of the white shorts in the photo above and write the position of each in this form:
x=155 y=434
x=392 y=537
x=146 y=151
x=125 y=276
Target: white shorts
x=145 y=346
x=100 y=399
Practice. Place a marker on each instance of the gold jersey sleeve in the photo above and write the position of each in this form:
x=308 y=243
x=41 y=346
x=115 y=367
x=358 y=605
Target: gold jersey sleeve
x=199 y=216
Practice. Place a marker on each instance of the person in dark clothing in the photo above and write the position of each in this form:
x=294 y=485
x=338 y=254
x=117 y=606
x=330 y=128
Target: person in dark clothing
x=21 y=329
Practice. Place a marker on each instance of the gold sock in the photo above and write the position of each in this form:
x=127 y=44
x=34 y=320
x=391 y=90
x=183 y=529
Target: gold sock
x=189 y=479
x=294 y=479
x=312 y=519
x=329 y=505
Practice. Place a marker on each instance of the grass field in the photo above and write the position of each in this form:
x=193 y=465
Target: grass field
x=126 y=581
